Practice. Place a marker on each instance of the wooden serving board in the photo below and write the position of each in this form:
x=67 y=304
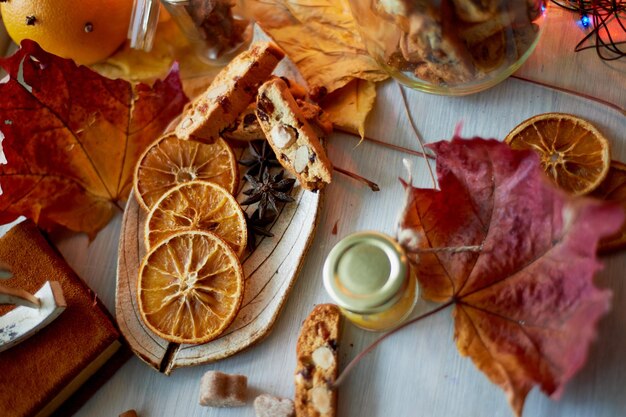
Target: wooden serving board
x=270 y=270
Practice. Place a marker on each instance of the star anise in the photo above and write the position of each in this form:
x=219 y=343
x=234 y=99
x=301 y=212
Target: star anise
x=257 y=227
x=267 y=191
x=261 y=157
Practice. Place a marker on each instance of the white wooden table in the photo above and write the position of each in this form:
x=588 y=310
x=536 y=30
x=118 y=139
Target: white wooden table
x=417 y=372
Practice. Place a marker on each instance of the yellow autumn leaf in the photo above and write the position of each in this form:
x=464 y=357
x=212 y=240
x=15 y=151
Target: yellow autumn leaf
x=320 y=37
x=349 y=106
x=272 y=13
x=322 y=63
x=170 y=45
x=321 y=14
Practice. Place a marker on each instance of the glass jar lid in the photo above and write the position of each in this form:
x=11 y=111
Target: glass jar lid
x=365 y=272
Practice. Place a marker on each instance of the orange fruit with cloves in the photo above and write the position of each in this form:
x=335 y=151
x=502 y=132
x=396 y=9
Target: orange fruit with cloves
x=86 y=31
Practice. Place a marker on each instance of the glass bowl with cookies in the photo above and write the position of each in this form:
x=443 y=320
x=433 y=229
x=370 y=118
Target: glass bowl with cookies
x=450 y=47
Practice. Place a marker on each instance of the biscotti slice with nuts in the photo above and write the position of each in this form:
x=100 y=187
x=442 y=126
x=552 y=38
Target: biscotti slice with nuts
x=247 y=128
x=317 y=117
x=294 y=141
x=232 y=90
x=316 y=369
x=476 y=10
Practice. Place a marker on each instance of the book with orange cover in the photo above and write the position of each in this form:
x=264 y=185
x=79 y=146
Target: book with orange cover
x=40 y=373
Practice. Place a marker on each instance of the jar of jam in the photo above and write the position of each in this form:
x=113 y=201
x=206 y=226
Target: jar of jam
x=368 y=275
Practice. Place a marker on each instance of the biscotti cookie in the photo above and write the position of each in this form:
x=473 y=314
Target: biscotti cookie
x=294 y=141
x=490 y=53
x=316 y=369
x=298 y=91
x=317 y=117
x=476 y=10
x=247 y=128
x=433 y=45
x=232 y=90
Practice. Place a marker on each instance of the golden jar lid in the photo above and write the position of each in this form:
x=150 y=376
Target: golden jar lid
x=366 y=272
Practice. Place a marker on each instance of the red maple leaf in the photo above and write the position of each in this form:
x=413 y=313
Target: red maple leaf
x=72 y=137
x=525 y=305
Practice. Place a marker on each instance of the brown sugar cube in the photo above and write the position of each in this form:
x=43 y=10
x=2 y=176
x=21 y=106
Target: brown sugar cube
x=266 y=405
x=223 y=390
x=129 y=413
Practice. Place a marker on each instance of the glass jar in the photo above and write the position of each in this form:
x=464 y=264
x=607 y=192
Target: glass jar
x=450 y=47
x=143 y=24
x=216 y=30
x=368 y=275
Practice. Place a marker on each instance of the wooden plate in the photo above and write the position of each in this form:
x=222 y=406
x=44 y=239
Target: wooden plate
x=271 y=270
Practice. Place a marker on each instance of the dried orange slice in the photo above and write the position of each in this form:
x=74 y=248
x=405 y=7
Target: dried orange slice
x=198 y=205
x=190 y=287
x=572 y=151
x=613 y=188
x=170 y=161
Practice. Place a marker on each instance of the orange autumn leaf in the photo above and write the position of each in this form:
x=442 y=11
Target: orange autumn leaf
x=526 y=307
x=71 y=138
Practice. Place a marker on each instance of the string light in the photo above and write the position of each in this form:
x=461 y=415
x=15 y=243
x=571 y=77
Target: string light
x=585 y=21
x=597 y=15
